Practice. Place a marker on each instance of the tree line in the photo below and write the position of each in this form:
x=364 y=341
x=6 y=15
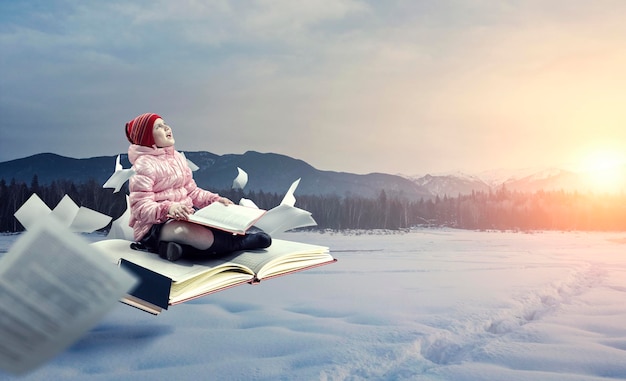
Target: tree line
x=498 y=210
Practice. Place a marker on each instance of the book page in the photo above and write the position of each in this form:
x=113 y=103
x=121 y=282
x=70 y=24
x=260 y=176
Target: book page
x=53 y=288
x=119 y=176
x=88 y=220
x=31 y=211
x=190 y=163
x=241 y=180
x=179 y=271
x=120 y=227
x=209 y=281
x=118 y=179
x=289 y=198
x=79 y=219
x=284 y=217
x=294 y=254
x=65 y=211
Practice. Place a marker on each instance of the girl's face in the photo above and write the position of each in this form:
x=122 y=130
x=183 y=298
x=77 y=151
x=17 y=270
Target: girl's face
x=162 y=133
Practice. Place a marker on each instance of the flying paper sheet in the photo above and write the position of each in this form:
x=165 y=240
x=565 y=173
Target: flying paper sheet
x=79 y=219
x=31 y=211
x=247 y=202
x=285 y=216
x=66 y=213
x=190 y=163
x=88 y=221
x=289 y=198
x=120 y=228
x=119 y=176
x=241 y=180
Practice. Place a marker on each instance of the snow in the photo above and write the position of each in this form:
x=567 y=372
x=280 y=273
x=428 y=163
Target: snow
x=424 y=305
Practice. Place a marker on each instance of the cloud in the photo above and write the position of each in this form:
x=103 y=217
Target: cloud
x=436 y=77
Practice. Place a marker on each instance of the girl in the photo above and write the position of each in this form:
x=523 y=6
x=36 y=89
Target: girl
x=163 y=194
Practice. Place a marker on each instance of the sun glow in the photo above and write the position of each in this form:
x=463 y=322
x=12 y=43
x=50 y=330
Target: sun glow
x=605 y=171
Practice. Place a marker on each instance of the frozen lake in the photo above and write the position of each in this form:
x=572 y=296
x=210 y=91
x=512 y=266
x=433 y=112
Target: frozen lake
x=424 y=305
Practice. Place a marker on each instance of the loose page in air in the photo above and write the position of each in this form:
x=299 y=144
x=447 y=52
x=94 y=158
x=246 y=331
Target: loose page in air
x=285 y=216
x=120 y=227
x=241 y=180
x=54 y=286
x=67 y=213
x=32 y=211
x=190 y=163
x=289 y=198
x=119 y=176
x=79 y=218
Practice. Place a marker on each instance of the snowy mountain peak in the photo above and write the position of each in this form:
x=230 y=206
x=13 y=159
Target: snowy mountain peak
x=523 y=180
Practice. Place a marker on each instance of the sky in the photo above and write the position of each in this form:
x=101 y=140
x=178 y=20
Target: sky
x=408 y=87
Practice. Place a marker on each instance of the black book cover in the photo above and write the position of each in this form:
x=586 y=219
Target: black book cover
x=152 y=286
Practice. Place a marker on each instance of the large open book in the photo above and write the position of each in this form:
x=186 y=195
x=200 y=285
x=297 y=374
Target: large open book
x=166 y=283
x=232 y=218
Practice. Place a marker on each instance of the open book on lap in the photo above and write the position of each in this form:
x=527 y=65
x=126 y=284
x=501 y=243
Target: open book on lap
x=192 y=279
x=232 y=218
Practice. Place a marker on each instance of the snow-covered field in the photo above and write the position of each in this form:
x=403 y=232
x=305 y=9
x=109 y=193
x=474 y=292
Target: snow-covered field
x=425 y=305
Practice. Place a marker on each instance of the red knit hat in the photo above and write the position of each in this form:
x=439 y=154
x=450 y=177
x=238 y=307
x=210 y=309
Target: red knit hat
x=139 y=130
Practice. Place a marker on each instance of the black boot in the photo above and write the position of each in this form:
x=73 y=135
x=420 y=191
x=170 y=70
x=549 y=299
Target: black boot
x=255 y=241
x=224 y=242
x=171 y=251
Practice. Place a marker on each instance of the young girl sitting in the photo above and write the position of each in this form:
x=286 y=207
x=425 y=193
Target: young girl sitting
x=163 y=194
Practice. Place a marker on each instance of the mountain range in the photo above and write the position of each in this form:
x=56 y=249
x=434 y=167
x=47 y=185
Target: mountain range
x=267 y=172
x=274 y=173
x=525 y=180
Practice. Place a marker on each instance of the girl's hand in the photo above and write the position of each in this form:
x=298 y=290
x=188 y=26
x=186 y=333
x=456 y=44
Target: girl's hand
x=225 y=201
x=179 y=212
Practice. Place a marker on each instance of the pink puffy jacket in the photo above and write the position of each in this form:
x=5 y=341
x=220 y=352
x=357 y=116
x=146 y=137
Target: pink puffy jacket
x=162 y=178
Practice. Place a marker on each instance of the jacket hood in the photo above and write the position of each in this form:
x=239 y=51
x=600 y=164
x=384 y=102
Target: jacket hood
x=135 y=151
